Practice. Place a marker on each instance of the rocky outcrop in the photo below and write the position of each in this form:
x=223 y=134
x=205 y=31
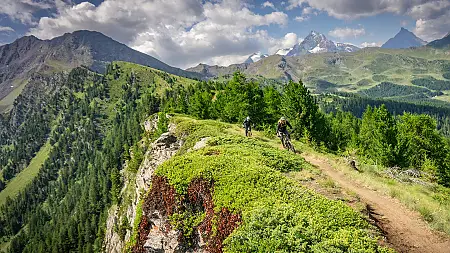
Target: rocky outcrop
x=135 y=187
x=162 y=149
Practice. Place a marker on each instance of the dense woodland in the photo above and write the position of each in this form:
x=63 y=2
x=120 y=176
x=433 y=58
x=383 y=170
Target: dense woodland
x=80 y=179
x=358 y=104
x=96 y=121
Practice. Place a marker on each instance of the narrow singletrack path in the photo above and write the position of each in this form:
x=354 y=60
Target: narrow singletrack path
x=404 y=229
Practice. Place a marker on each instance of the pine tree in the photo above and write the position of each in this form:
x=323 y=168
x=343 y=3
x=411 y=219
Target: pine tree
x=298 y=105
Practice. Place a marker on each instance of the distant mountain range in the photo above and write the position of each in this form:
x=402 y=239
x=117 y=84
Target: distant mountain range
x=255 y=57
x=441 y=43
x=29 y=54
x=404 y=39
x=314 y=43
x=284 y=51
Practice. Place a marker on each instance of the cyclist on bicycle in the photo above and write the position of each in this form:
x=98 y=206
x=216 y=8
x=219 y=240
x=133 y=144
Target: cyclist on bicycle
x=247 y=125
x=282 y=127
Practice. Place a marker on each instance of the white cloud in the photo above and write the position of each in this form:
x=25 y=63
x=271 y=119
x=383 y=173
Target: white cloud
x=6 y=29
x=307 y=10
x=432 y=16
x=22 y=10
x=371 y=44
x=346 y=32
x=301 y=18
x=179 y=32
x=269 y=4
x=288 y=41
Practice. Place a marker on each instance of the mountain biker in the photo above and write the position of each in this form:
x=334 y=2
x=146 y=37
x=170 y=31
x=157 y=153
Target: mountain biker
x=247 y=125
x=282 y=127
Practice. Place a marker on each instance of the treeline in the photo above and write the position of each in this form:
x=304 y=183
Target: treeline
x=406 y=141
x=357 y=105
x=387 y=89
x=81 y=177
x=432 y=83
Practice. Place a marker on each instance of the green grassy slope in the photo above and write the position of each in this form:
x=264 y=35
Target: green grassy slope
x=22 y=179
x=278 y=214
x=7 y=102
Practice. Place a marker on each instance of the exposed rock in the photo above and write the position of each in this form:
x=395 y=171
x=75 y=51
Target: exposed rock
x=161 y=239
x=113 y=243
x=161 y=150
x=151 y=124
x=201 y=144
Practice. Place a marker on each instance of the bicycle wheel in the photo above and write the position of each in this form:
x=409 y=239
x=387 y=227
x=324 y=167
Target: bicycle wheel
x=289 y=145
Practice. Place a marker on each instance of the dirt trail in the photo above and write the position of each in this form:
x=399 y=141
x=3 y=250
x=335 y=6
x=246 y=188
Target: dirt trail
x=404 y=229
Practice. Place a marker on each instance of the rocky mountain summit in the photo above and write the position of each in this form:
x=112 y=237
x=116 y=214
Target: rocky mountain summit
x=316 y=42
x=404 y=39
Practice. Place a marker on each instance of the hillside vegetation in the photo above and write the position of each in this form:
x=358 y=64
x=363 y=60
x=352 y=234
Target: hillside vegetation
x=94 y=125
x=250 y=197
x=352 y=72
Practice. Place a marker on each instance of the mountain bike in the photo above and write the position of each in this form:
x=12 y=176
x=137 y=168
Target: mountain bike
x=286 y=141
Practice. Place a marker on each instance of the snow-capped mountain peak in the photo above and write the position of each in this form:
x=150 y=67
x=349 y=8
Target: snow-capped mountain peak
x=283 y=51
x=346 y=47
x=255 y=57
x=316 y=42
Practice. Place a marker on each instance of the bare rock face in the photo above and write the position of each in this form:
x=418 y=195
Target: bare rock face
x=161 y=150
x=161 y=239
x=113 y=242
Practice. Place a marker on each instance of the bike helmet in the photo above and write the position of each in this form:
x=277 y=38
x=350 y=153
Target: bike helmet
x=283 y=119
x=248 y=118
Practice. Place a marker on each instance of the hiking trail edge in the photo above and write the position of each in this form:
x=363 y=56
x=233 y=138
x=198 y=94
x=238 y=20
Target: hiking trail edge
x=404 y=229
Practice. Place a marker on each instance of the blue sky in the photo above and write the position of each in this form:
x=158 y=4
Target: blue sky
x=184 y=33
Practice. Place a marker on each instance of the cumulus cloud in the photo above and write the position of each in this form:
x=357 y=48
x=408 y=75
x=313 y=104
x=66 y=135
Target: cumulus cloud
x=22 y=10
x=301 y=18
x=371 y=44
x=432 y=20
x=288 y=41
x=432 y=16
x=179 y=32
x=6 y=29
x=307 y=10
x=346 y=32
x=269 y=4
x=294 y=4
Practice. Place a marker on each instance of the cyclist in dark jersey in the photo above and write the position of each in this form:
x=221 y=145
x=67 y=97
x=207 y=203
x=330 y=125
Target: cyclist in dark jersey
x=282 y=127
x=247 y=126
